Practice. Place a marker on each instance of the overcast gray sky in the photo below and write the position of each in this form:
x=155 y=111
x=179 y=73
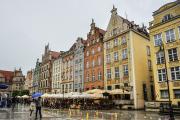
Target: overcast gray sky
x=27 y=25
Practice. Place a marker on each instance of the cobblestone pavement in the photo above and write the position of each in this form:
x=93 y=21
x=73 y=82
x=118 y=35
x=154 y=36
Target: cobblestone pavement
x=21 y=112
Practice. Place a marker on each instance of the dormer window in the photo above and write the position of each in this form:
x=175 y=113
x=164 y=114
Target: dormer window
x=167 y=17
x=114 y=32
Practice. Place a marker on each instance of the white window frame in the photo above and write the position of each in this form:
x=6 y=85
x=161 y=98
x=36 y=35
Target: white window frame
x=87 y=64
x=161 y=75
x=171 y=36
x=87 y=53
x=124 y=54
x=164 y=94
x=149 y=65
x=179 y=31
x=158 y=37
x=92 y=51
x=173 y=54
x=148 y=50
x=108 y=73
x=123 y=40
x=176 y=73
x=125 y=70
x=160 y=57
x=116 y=42
x=117 y=75
x=87 y=76
x=107 y=45
x=99 y=48
x=93 y=76
x=178 y=93
x=99 y=60
x=116 y=57
x=99 y=75
x=108 y=58
x=93 y=63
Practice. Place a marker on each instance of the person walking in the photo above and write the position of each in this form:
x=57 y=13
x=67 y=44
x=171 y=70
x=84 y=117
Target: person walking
x=13 y=102
x=32 y=107
x=38 y=107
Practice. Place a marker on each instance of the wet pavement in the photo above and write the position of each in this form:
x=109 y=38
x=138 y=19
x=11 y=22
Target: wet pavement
x=21 y=112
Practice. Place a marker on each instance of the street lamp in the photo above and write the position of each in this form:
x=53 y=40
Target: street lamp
x=171 y=114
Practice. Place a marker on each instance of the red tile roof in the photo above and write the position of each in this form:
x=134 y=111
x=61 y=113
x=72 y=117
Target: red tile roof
x=7 y=74
x=55 y=54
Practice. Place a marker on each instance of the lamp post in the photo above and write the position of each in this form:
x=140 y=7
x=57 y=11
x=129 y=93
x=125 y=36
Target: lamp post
x=171 y=114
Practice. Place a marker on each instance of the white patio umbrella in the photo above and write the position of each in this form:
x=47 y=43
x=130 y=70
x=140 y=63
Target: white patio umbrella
x=46 y=95
x=25 y=96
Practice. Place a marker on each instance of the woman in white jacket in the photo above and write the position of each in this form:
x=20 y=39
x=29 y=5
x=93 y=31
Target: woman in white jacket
x=32 y=107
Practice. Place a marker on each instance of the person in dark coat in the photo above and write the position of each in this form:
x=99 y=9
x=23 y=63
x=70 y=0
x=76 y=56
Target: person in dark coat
x=38 y=107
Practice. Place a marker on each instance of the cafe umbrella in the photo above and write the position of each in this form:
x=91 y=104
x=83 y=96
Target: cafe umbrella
x=37 y=94
x=3 y=86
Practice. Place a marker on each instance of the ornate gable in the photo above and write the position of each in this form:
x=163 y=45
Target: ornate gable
x=116 y=25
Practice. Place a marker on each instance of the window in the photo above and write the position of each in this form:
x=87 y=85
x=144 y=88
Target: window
x=176 y=93
x=87 y=53
x=123 y=40
x=87 y=64
x=87 y=76
x=125 y=68
x=116 y=42
x=179 y=31
x=93 y=76
x=170 y=36
x=99 y=75
x=109 y=87
x=108 y=58
x=160 y=57
x=107 y=45
x=116 y=72
x=99 y=60
x=162 y=75
x=164 y=94
x=148 y=51
x=93 y=63
x=149 y=65
x=173 y=54
x=124 y=54
x=175 y=73
x=157 y=39
x=92 y=51
x=166 y=17
x=108 y=73
x=99 y=49
x=114 y=32
x=117 y=86
x=115 y=56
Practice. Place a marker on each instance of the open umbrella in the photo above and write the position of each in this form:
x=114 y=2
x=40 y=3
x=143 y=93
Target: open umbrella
x=37 y=94
x=3 y=86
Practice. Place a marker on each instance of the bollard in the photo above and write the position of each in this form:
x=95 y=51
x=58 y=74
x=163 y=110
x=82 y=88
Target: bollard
x=97 y=113
x=87 y=116
x=116 y=115
x=69 y=112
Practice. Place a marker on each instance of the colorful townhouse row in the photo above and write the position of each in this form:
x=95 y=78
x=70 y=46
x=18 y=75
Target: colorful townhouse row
x=124 y=56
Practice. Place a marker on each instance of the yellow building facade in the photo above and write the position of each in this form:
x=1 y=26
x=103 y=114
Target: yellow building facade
x=127 y=61
x=165 y=43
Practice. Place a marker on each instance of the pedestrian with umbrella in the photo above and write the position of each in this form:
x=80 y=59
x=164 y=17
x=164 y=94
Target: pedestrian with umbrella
x=38 y=107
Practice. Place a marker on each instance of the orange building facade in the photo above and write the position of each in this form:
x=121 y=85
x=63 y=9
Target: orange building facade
x=93 y=59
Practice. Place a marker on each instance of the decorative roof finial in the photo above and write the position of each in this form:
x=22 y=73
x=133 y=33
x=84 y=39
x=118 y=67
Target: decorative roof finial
x=114 y=10
x=92 y=20
x=113 y=6
x=93 y=23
